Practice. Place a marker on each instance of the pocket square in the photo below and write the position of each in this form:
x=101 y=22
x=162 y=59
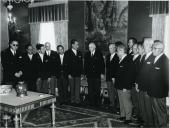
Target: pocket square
x=148 y=62
x=157 y=68
x=121 y=66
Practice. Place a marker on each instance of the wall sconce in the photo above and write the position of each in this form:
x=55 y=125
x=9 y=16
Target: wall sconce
x=9 y=6
x=11 y=19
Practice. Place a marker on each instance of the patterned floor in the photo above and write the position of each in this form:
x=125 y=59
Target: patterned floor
x=69 y=116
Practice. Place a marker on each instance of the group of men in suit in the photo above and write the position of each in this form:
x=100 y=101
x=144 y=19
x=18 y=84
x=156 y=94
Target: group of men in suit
x=142 y=82
x=138 y=78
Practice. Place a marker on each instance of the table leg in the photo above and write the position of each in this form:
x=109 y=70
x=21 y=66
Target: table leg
x=16 y=121
x=6 y=118
x=53 y=114
x=20 y=118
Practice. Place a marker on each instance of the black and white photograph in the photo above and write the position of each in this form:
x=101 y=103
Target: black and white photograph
x=84 y=63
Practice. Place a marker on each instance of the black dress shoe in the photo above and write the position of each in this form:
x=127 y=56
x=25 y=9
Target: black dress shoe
x=121 y=119
x=116 y=112
x=128 y=121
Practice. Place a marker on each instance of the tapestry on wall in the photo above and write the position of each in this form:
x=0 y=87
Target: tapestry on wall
x=106 y=22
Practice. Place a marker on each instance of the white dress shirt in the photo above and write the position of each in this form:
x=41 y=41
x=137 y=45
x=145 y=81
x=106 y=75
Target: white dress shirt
x=122 y=58
x=48 y=53
x=75 y=51
x=13 y=52
x=61 y=58
x=92 y=53
x=157 y=57
x=41 y=56
x=135 y=56
x=112 y=55
x=30 y=56
x=147 y=55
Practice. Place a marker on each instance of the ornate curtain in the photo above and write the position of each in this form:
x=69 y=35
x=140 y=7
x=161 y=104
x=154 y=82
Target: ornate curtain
x=159 y=7
x=158 y=26
x=51 y=11
x=61 y=33
x=55 y=12
x=35 y=30
x=158 y=12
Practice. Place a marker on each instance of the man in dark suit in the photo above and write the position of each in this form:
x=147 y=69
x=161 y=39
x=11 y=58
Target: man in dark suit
x=123 y=88
x=62 y=78
x=51 y=68
x=143 y=83
x=131 y=78
x=112 y=62
x=131 y=42
x=159 y=85
x=74 y=61
x=29 y=68
x=139 y=93
x=41 y=71
x=11 y=63
x=94 y=70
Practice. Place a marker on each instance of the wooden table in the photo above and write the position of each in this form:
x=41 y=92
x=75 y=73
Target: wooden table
x=16 y=105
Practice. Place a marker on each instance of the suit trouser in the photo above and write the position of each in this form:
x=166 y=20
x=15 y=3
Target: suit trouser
x=94 y=88
x=160 y=112
x=135 y=100
x=112 y=93
x=42 y=85
x=62 y=84
x=125 y=104
x=52 y=85
x=146 y=107
x=31 y=85
x=75 y=89
x=141 y=105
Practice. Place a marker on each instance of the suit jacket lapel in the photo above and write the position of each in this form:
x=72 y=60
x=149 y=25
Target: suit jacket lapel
x=11 y=54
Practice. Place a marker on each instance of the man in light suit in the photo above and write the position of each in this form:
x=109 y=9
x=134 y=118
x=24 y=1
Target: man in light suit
x=11 y=63
x=111 y=68
x=159 y=85
x=94 y=71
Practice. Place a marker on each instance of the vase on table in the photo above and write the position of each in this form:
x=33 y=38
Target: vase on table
x=21 y=89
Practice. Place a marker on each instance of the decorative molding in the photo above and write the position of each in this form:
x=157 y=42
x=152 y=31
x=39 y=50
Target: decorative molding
x=49 y=22
x=51 y=2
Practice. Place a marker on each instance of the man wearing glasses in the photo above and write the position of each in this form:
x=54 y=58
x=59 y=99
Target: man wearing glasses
x=11 y=64
x=159 y=85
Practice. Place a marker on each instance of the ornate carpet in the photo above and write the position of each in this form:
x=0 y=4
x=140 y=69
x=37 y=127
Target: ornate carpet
x=69 y=116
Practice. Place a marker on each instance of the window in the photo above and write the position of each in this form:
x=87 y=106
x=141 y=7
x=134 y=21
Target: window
x=47 y=34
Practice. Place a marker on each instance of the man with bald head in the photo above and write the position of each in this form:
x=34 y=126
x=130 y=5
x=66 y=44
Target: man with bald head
x=94 y=70
x=159 y=84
